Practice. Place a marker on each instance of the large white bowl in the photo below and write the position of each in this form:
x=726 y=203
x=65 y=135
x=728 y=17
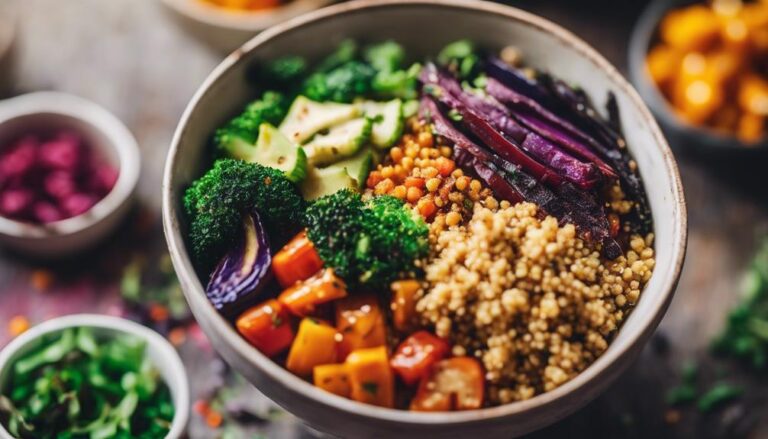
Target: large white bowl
x=423 y=27
x=160 y=352
x=105 y=133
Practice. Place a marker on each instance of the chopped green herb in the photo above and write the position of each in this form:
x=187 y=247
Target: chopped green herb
x=80 y=386
x=717 y=395
x=371 y=387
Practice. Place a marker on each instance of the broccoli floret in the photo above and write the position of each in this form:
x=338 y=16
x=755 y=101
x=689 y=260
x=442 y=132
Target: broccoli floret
x=216 y=202
x=386 y=56
x=242 y=131
x=398 y=83
x=461 y=58
x=285 y=70
x=369 y=244
x=342 y=84
x=346 y=52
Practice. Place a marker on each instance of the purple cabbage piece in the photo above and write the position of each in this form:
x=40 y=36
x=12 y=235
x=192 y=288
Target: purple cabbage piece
x=244 y=271
x=573 y=107
x=482 y=129
x=584 y=175
x=567 y=203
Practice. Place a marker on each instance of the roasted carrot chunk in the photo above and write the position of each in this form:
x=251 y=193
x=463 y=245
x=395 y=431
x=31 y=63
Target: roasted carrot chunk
x=360 y=323
x=297 y=261
x=403 y=303
x=303 y=297
x=267 y=327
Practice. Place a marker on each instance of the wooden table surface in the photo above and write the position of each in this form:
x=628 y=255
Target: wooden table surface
x=128 y=56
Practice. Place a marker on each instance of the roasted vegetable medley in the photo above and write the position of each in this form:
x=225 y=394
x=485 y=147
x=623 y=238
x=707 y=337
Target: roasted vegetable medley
x=77 y=384
x=435 y=236
x=711 y=63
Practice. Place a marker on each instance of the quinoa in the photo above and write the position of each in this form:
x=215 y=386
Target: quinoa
x=529 y=298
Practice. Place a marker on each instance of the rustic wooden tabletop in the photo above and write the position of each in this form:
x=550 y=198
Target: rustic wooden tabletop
x=128 y=56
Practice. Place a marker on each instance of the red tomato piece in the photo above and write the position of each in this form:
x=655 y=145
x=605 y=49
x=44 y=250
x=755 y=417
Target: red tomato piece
x=416 y=355
x=454 y=384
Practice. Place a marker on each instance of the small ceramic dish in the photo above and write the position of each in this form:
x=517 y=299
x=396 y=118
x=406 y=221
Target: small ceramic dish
x=103 y=132
x=679 y=132
x=423 y=27
x=160 y=351
x=225 y=29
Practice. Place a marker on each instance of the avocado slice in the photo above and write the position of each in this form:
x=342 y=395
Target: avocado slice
x=358 y=166
x=326 y=181
x=388 y=121
x=273 y=149
x=306 y=117
x=341 y=141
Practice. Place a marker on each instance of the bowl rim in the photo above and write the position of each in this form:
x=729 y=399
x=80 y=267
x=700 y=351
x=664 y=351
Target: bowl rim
x=119 y=139
x=640 y=42
x=181 y=391
x=255 y=20
x=194 y=290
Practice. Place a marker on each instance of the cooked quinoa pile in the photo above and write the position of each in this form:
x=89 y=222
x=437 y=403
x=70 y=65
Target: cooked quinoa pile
x=529 y=298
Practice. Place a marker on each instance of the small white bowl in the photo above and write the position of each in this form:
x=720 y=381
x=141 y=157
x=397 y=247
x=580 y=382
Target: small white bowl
x=159 y=350
x=225 y=30
x=103 y=132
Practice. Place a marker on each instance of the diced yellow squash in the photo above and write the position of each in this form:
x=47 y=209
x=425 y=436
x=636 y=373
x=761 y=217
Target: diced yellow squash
x=370 y=377
x=333 y=378
x=315 y=344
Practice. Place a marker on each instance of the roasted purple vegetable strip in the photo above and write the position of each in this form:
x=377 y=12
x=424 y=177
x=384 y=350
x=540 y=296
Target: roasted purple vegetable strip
x=569 y=204
x=244 y=271
x=467 y=154
x=486 y=133
x=584 y=175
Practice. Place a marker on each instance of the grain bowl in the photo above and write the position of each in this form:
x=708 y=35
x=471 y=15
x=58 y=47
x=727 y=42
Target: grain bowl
x=512 y=408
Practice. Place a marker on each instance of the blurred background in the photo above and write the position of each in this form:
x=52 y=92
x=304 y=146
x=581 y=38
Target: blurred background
x=143 y=60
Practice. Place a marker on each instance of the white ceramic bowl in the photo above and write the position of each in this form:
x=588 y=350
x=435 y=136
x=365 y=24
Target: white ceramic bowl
x=226 y=30
x=423 y=27
x=159 y=350
x=105 y=133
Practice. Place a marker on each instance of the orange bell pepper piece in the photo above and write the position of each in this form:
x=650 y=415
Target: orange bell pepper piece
x=370 y=377
x=333 y=378
x=315 y=344
x=360 y=322
x=267 y=327
x=296 y=261
x=303 y=297
x=454 y=384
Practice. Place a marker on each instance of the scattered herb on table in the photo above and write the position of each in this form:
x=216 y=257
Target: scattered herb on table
x=746 y=333
x=77 y=385
x=718 y=394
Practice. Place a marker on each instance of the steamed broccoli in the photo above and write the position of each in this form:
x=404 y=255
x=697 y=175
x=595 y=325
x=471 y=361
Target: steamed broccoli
x=369 y=244
x=216 y=202
x=285 y=70
x=342 y=84
x=344 y=53
x=386 y=56
x=461 y=58
x=242 y=131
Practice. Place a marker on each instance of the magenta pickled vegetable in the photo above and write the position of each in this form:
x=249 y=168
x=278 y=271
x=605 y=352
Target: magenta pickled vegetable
x=50 y=177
